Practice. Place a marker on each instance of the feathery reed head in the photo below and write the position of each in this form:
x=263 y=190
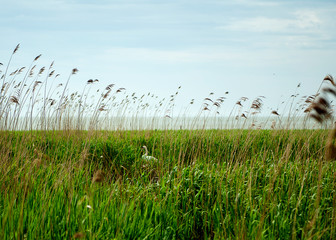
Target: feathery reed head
x=37 y=57
x=330 y=79
x=16 y=48
x=275 y=113
x=14 y=99
x=41 y=70
x=239 y=103
x=74 y=71
x=320 y=106
x=51 y=73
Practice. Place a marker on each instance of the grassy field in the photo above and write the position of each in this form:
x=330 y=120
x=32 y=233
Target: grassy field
x=63 y=177
x=221 y=184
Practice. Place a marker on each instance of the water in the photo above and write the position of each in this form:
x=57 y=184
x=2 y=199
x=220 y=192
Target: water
x=177 y=123
x=166 y=123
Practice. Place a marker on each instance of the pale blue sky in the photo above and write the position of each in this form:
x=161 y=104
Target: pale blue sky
x=246 y=47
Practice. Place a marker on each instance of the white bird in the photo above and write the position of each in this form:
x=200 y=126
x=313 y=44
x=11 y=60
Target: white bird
x=146 y=157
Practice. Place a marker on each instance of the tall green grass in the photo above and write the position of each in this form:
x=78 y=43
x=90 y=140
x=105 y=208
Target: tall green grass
x=207 y=184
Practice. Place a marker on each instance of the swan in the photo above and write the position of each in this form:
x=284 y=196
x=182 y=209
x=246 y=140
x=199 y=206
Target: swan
x=146 y=157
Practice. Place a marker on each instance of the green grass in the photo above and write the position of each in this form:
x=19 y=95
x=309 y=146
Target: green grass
x=221 y=184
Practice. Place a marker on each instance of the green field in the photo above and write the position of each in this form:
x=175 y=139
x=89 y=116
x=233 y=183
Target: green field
x=220 y=184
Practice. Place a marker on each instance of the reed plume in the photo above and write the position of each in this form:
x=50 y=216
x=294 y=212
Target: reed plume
x=16 y=48
x=275 y=113
x=319 y=105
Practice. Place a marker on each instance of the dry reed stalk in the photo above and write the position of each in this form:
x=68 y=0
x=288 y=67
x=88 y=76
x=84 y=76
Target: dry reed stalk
x=330 y=153
x=273 y=124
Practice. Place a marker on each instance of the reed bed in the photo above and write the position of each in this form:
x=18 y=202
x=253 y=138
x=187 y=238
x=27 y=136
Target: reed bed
x=65 y=175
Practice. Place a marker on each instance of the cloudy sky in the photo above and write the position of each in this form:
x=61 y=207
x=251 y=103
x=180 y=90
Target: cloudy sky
x=246 y=47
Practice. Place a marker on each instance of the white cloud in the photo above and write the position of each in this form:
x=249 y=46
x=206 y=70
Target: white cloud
x=256 y=3
x=302 y=21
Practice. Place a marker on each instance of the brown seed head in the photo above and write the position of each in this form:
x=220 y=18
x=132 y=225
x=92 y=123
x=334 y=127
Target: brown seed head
x=310 y=99
x=52 y=102
x=308 y=109
x=120 y=89
x=21 y=69
x=74 y=71
x=239 y=103
x=41 y=70
x=317 y=117
x=107 y=94
x=109 y=87
x=13 y=73
x=14 y=99
x=275 y=113
x=322 y=101
x=217 y=104
x=320 y=109
x=51 y=73
x=16 y=48
x=329 y=90
x=35 y=59
x=35 y=85
x=31 y=73
x=98 y=176
x=329 y=78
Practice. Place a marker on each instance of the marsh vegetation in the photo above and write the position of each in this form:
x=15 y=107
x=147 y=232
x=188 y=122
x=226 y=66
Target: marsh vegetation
x=64 y=176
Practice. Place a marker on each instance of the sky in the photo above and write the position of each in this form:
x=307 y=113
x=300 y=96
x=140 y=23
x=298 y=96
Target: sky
x=246 y=47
